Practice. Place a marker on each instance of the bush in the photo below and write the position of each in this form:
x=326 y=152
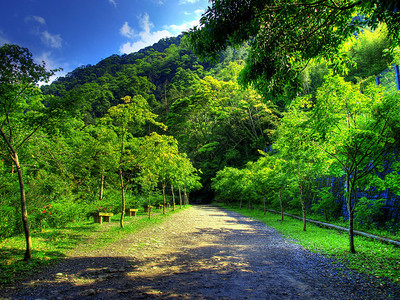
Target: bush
x=368 y=212
x=326 y=205
x=136 y=201
x=11 y=218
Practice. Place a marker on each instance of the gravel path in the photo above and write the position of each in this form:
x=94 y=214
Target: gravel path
x=202 y=253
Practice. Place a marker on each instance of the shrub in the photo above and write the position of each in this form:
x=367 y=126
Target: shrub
x=368 y=211
x=326 y=205
x=10 y=218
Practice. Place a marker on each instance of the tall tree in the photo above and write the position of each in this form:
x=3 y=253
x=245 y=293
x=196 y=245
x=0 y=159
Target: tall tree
x=356 y=131
x=305 y=162
x=126 y=119
x=22 y=111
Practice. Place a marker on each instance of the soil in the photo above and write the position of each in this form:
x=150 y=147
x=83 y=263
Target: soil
x=204 y=252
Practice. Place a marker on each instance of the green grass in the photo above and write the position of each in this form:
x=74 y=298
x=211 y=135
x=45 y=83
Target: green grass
x=372 y=257
x=51 y=245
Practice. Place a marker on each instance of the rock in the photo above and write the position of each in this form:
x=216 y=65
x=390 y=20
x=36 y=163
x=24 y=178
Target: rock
x=89 y=292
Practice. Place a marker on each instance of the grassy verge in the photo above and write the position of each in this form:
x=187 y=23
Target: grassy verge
x=372 y=257
x=51 y=245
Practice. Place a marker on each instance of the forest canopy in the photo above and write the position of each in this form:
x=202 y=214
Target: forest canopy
x=285 y=35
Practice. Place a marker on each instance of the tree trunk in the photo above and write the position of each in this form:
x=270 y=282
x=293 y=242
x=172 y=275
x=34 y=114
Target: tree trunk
x=265 y=207
x=25 y=221
x=281 y=204
x=351 y=232
x=173 y=198
x=303 y=208
x=163 y=194
x=149 y=205
x=123 y=198
x=351 y=213
x=180 y=196
x=186 y=199
x=101 y=187
x=240 y=203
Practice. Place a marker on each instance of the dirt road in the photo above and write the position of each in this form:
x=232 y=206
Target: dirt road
x=202 y=253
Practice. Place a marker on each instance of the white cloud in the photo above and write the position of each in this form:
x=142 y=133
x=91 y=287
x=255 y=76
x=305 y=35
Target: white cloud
x=39 y=19
x=145 y=37
x=50 y=65
x=188 y=1
x=51 y=40
x=178 y=29
x=127 y=31
x=199 y=12
x=113 y=2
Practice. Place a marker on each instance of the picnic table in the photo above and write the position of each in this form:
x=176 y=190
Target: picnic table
x=130 y=211
x=101 y=217
x=146 y=208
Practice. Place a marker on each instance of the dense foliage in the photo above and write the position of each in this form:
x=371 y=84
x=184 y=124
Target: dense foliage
x=285 y=35
x=134 y=129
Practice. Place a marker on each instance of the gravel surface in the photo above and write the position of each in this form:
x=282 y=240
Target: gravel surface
x=203 y=252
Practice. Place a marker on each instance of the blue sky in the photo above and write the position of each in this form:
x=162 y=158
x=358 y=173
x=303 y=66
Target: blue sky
x=71 y=33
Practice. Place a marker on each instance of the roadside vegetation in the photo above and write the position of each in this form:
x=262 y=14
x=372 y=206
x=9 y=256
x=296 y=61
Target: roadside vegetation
x=53 y=244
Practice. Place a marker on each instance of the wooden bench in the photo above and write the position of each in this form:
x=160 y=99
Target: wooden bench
x=130 y=211
x=146 y=208
x=160 y=206
x=102 y=217
x=167 y=205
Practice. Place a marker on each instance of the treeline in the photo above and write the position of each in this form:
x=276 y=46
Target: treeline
x=335 y=151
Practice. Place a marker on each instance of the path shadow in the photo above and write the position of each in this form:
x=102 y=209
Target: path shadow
x=244 y=259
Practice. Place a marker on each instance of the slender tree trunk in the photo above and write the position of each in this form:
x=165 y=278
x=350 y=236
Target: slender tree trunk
x=281 y=204
x=163 y=194
x=303 y=208
x=173 y=197
x=186 y=199
x=180 y=196
x=25 y=221
x=351 y=232
x=149 y=205
x=240 y=203
x=351 y=213
x=101 y=187
x=265 y=207
x=123 y=198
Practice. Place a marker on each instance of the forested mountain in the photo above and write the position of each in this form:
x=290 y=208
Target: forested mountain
x=215 y=122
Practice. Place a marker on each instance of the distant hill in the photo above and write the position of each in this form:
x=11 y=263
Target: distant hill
x=148 y=72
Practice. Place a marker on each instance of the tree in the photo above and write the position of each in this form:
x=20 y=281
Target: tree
x=304 y=161
x=160 y=157
x=126 y=119
x=271 y=176
x=356 y=131
x=285 y=35
x=221 y=125
x=22 y=111
x=370 y=55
